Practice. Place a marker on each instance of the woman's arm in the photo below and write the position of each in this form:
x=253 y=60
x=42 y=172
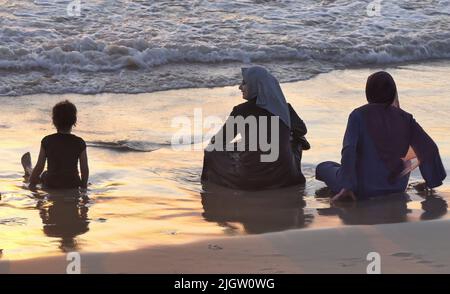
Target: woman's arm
x=348 y=176
x=297 y=124
x=38 y=169
x=84 y=169
x=298 y=130
x=431 y=167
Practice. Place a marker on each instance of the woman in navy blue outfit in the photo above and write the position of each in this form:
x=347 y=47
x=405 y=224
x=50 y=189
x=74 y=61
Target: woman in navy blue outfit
x=378 y=144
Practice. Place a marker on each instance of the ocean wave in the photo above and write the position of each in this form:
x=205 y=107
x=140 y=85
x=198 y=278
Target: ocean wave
x=105 y=58
x=127 y=146
x=13 y=221
x=132 y=47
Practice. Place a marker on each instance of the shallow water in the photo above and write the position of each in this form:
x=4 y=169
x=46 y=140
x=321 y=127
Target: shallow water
x=132 y=46
x=143 y=192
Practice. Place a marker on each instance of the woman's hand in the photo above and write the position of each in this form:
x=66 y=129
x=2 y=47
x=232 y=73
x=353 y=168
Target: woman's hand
x=32 y=187
x=343 y=194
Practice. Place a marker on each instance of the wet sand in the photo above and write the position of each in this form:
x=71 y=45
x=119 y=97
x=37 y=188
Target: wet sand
x=403 y=248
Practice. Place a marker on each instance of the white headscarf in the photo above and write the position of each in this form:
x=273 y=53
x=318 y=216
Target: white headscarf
x=265 y=87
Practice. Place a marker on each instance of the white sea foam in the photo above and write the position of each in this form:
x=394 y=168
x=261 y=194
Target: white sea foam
x=138 y=46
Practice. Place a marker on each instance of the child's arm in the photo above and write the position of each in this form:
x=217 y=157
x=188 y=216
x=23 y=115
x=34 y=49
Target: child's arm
x=38 y=169
x=84 y=168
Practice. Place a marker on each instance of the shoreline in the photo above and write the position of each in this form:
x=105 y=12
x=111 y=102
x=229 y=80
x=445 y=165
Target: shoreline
x=404 y=248
x=377 y=66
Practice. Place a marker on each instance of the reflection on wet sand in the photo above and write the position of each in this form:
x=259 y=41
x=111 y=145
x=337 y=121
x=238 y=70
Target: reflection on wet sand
x=434 y=207
x=65 y=216
x=259 y=211
x=385 y=210
x=272 y=211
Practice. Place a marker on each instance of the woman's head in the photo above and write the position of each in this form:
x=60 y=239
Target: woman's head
x=251 y=78
x=64 y=116
x=381 y=88
x=259 y=84
x=244 y=89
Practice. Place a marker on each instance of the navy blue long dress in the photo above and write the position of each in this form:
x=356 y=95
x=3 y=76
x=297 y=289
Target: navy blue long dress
x=363 y=170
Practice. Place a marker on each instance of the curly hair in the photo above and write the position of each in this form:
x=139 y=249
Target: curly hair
x=64 y=115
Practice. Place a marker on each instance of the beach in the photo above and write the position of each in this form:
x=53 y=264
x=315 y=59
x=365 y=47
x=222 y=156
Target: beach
x=403 y=248
x=153 y=81
x=146 y=211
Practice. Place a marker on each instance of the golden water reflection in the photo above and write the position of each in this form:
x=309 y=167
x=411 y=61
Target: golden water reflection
x=139 y=199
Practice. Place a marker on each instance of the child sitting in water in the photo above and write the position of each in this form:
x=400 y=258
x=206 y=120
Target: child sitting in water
x=62 y=151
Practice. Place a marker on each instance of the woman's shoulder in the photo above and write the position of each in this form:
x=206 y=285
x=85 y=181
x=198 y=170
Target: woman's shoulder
x=381 y=108
x=357 y=112
x=244 y=107
x=248 y=103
